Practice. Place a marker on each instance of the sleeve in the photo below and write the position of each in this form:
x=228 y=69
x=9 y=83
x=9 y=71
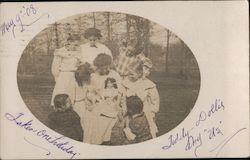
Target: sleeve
x=142 y=94
x=56 y=66
x=107 y=51
x=81 y=54
x=124 y=104
x=122 y=91
x=118 y=80
x=93 y=79
x=137 y=129
x=61 y=53
x=154 y=99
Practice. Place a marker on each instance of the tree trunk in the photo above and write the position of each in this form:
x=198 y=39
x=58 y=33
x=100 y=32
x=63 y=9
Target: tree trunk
x=183 y=61
x=146 y=37
x=167 y=51
x=108 y=26
x=78 y=23
x=127 y=28
x=94 y=20
x=56 y=31
x=48 y=41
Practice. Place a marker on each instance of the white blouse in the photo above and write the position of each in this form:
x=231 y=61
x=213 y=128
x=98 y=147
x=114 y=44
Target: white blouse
x=88 y=53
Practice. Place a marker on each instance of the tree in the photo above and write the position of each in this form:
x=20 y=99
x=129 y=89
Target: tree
x=167 y=51
x=142 y=32
x=56 y=32
x=146 y=36
x=128 y=25
x=94 y=21
x=108 y=25
x=183 y=72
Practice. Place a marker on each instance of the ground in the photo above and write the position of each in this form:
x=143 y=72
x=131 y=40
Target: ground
x=177 y=96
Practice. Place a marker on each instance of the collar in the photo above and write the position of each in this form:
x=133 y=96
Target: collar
x=142 y=83
x=94 y=46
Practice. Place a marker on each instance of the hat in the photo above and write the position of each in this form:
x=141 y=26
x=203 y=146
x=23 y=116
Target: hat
x=92 y=32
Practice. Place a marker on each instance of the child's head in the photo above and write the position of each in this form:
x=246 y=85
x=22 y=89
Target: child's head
x=103 y=63
x=92 y=35
x=62 y=102
x=135 y=73
x=72 y=42
x=134 y=105
x=110 y=83
x=129 y=51
x=83 y=74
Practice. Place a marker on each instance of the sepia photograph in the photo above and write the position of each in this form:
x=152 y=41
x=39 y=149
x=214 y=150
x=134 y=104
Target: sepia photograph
x=108 y=78
x=133 y=79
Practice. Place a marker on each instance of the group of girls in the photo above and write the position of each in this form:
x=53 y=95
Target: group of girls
x=101 y=100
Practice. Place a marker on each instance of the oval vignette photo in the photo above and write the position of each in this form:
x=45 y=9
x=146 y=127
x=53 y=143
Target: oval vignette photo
x=108 y=78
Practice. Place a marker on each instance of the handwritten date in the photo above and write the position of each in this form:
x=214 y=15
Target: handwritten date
x=27 y=14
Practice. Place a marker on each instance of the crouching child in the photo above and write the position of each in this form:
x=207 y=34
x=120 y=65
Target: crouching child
x=64 y=119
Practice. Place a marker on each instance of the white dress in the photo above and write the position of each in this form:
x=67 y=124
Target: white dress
x=146 y=90
x=89 y=118
x=106 y=121
x=64 y=72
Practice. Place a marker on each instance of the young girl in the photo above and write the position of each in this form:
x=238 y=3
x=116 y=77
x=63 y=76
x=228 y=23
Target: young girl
x=139 y=85
x=64 y=73
x=129 y=57
x=107 y=116
x=135 y=128
x=93 y=47
x=64 y=119
x=85 y=103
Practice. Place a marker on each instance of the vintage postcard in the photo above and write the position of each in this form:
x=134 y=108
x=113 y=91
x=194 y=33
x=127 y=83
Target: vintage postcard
x=131 y=79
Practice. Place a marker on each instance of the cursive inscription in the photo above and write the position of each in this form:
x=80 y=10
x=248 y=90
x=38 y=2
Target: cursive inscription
x=195 y=136
x=60 y=143
x=26 y=16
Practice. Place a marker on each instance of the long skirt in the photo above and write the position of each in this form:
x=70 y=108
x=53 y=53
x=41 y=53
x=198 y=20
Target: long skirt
x=106 y=126
x=79 y=108
x=97 y=128
x=91 y=128
x=65 y=84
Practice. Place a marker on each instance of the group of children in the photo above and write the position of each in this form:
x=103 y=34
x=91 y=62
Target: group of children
x=110 y=105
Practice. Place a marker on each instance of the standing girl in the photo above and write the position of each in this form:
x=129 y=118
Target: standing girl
x=85 y=102
x=93 y=47
x=106 y=81
x=64 y=73
x=137 y=84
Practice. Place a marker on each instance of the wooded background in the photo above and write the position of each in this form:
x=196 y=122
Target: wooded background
x=168 y=53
